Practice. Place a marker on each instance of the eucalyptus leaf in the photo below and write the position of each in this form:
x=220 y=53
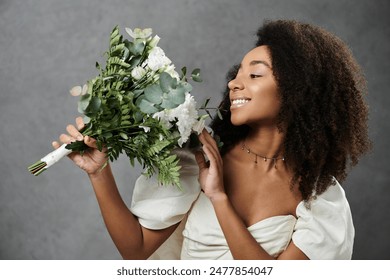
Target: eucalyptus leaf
x=136 y=48
x=177 y=96
x=147 y=107
x=135 y=61
x=168 y=102
x=153 y=94
x=84 y=102
x=166 y=82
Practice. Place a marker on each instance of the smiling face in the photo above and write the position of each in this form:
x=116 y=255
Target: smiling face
x=253 y=93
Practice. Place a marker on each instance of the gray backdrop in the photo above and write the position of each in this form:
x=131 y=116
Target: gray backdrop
x=47 y=46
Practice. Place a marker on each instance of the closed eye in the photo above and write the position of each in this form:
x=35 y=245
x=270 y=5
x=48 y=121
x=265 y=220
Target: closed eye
x=253 y=76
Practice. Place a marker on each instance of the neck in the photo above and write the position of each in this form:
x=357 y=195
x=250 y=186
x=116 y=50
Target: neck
x=266 y=142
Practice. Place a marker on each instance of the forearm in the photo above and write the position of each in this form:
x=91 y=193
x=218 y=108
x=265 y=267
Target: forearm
x=121 y=224
x=240 y=241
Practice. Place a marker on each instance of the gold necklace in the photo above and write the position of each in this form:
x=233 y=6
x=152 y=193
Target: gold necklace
x=249 y=151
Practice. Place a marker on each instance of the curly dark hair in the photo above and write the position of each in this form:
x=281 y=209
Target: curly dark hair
x=323 y=112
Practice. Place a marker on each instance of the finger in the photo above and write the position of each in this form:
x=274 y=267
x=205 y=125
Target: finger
x=214 y=160
x=90 y=142
x=79 y=123
x=55 y=144
x=73 y=131
x=210 y=139
x=200 y=160
x=65 y=138
x=210 y=145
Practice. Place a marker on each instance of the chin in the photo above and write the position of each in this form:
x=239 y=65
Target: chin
x=236 y=121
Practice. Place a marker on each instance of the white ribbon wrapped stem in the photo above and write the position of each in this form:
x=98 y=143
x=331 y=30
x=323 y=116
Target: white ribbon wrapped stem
x=56 y=155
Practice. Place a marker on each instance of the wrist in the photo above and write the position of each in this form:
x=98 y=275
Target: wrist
x=100 y=173
x=218 y=197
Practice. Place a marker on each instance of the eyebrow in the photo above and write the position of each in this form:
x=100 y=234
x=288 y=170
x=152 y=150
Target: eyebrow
x=255 y=62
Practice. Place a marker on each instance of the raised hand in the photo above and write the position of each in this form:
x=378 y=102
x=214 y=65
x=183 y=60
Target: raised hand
x=92 y=159
x=211 y=172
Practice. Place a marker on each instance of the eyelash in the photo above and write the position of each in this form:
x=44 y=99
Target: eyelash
x=253 y=76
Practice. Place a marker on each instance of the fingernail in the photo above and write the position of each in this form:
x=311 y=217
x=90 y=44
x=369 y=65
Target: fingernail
x=80 y=137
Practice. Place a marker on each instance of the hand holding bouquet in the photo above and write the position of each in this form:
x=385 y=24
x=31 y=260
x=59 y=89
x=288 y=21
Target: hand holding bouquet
x=137 y=105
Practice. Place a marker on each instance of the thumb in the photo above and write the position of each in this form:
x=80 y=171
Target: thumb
x=90 y=142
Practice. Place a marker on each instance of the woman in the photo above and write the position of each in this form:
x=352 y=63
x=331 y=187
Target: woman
x=294 y=120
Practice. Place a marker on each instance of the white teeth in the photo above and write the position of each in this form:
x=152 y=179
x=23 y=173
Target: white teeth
x=240 y=101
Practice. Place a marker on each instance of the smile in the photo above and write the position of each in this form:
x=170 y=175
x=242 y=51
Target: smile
x=236 y=103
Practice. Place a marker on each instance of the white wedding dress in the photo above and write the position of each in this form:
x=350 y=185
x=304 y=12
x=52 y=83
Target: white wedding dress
x=324 y=230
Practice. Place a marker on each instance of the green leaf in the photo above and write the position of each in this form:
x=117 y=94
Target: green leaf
x=94 y=105
x=114 y=32
x=183 y=71
x=219 y=114
x=177 y=95
x=117 y=50
x=84 y=102
x=168 y=102
x=135 y=61
x=123 y=135
x=195 y=75
x=205 y=103
x=117 y=61
x=147 y=107
x=153 y=94
x=126 y=54
x=77 y=146
x=137 y=93
x=136 y=48
x=115 y=40
x=187 y=87
x=167 y=82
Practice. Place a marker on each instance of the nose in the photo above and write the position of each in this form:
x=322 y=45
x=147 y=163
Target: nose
x=235 y=84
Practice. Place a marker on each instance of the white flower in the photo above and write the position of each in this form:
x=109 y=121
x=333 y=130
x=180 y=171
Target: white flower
x=164 y=117
x=138 y=72
x=157 y=59
x=199 y=126
x=170 y=69
x=187 y=116
x=153 y=42
x=138 y=33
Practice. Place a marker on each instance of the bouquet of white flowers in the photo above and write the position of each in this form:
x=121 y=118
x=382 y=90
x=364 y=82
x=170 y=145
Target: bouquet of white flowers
x=137 y=105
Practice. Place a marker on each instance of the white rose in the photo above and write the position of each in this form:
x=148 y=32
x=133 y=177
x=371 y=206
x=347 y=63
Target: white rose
x=157 y=59
x=138 y=72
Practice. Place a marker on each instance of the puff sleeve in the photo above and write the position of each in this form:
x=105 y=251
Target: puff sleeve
x=325 y=229
x=158 y=207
